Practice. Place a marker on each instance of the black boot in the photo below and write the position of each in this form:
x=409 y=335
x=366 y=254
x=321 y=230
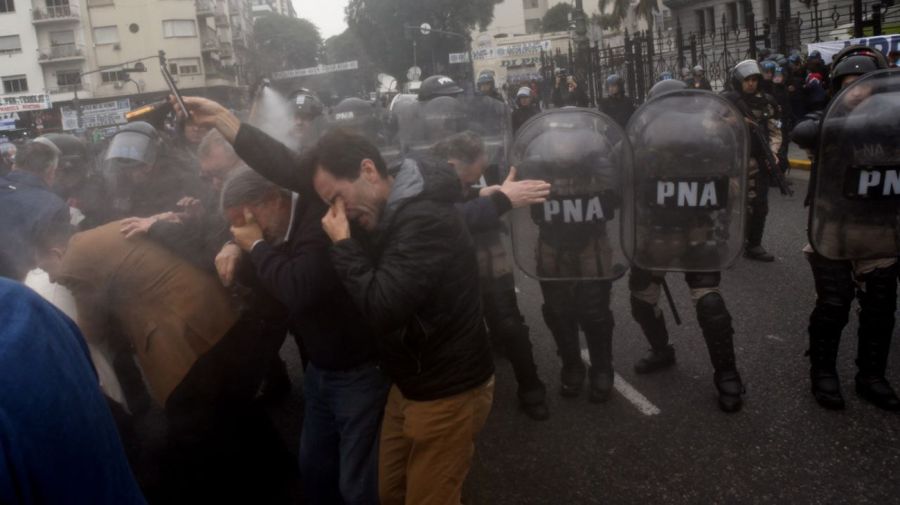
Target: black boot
x=877 y=302
x=564 y=329
x=601 y=384
x=516 y=336
x=756 y=224
x=731 y=390
x=834 y=294
x=824 y=339
x=652 y=321
x=715 y=321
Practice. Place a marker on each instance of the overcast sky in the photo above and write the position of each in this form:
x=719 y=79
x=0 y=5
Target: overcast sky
x=328 y=15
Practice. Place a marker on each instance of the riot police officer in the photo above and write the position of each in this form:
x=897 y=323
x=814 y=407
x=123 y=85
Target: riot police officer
x=438 y=85
x=616 y=105
x=487 y=85
x=309 y=117
x=848 y=255
x=482 y=211
x=580 y=153
x=762 y=112
x=686 y=144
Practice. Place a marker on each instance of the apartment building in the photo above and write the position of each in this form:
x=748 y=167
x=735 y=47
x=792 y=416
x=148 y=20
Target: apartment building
x=88 y=55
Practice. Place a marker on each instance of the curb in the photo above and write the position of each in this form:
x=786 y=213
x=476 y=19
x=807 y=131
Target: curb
x=800 y=164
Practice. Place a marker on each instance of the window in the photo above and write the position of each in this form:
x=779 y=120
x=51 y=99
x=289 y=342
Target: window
x=701 y=21
x=68 y=78
x=10 y=44
x=732 y=15
x=711 y=19
x=7 y=6
x=113 y=76
x=106 y=35
x=99 y=3
x=15 y=84
x=66 y=38
x=531 y=4
x=179 y=28
x=771 y=11
x=532 y=25
x=184 y=66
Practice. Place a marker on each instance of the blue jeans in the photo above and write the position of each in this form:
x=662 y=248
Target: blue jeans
x=339 y=443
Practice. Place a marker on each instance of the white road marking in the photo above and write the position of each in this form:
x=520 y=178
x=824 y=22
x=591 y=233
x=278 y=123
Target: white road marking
x=775 y=337
x=632 y=395
x=517 y=290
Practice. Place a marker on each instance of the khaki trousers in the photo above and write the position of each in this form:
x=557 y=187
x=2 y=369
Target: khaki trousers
x=427 y=447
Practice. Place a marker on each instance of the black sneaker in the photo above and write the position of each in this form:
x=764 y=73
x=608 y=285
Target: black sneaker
x=572 y=379
x=601 y=385
x=657 y=359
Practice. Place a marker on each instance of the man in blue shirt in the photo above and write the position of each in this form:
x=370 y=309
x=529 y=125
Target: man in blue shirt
x=58 y=442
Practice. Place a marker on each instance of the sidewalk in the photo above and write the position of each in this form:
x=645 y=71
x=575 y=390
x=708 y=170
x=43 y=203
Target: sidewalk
x=797 y=157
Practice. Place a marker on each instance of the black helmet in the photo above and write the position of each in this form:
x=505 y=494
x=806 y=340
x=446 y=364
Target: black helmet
x=134 y=143
x=855 y=60
x=69 y=146
x=356 y=114
x=665 y=87
x=438 y=85
x=306 y=104
x=743 y=70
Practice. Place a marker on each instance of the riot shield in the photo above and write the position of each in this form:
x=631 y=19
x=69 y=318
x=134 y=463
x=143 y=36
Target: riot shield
x=574 y=235
x=405 y=128
x=685 y=195
x=367 y=119
x=491 y=120
x=856 y=193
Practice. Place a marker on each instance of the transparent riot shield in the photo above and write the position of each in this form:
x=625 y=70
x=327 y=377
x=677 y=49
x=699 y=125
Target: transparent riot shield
x=574 y=235
x=856 y=193
x=490 y=119
x=685 y=195
x=367 y=119
x=405 y=124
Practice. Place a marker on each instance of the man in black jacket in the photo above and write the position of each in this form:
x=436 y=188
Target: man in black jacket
x=414 y=275
x=344 y=391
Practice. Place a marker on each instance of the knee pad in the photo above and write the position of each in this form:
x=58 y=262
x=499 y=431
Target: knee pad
x=879 y=290
x=712 y=313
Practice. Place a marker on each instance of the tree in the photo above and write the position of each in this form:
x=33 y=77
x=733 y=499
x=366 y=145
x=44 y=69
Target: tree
x=557 y=18
x=379 y=25
x=285 y=43
x=644 y=9
x=348 y=47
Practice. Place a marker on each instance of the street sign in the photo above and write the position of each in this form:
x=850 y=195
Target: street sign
x=459 y=58
x=317 y=70
x=24 y=103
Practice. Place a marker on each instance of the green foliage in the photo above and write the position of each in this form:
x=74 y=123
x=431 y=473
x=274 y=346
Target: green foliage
x=285 y=43
x=557 y=18
x=348 y=47
x=379 y=25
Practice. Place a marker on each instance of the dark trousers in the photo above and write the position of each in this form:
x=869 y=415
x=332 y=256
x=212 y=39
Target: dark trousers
x=569 y=306
x=508 y=329
x=757 y=208
x=339 y=443
x=837 y=284
x=221 y=447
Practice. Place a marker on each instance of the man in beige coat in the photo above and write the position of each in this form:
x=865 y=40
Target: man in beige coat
x=199 y=361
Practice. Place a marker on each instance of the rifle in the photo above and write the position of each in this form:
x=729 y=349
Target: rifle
x=759 y=139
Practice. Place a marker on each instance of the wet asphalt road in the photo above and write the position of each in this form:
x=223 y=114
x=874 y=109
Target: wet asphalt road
x=782 y=448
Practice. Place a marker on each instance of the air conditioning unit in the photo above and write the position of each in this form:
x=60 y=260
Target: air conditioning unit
x=118 y=84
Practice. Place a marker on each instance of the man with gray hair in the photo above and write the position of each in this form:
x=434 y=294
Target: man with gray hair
x=344 y=390
x=28 y=208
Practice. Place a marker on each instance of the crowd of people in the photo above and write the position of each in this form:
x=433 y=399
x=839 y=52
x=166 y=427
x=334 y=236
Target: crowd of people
x=191 y=259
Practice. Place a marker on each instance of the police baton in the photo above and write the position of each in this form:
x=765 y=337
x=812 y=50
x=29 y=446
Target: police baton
x=665 y=286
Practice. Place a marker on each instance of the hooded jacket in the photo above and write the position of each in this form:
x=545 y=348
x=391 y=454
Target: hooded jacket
x=416 y=282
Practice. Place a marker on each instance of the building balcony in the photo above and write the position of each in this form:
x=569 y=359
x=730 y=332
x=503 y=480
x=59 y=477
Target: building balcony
x=60 y=53
x=226 y=51
x=222 y=20
x=205 y=7
x=56 y=14
x=210 y=43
